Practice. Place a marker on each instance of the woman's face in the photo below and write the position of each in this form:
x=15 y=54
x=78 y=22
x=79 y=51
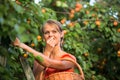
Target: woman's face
x=52 y=32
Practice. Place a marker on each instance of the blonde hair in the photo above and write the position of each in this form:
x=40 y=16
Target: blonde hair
x=51 y=22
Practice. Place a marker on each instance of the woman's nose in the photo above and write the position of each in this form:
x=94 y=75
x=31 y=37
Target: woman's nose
x=50 y=34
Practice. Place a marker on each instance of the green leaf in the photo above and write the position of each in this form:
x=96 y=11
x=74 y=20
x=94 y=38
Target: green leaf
x=61 y=4
x=39 y=58
x=17 y=7
x=93 y=26
x=24 y=38
x=19 y=29
x=58 y=3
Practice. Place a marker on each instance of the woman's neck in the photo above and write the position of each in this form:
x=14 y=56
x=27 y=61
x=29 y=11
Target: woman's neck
x=57 y=51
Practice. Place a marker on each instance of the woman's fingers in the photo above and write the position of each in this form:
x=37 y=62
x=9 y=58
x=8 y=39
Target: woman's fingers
x=51 y=42
x=49 y=39
x=16 y=42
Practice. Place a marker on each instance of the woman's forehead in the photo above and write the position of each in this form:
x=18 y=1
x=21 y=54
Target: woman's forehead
x=53 y=26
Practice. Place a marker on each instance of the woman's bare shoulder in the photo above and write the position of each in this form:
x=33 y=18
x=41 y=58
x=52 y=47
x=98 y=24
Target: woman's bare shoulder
x=68 y=55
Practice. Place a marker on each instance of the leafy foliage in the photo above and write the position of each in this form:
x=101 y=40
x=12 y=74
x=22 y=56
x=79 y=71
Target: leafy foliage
x=92 y=34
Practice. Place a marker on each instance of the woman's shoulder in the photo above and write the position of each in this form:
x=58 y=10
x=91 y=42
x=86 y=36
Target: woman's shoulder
x=68 y=55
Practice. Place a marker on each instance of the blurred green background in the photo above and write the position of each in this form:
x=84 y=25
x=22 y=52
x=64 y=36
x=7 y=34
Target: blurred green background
x=92 y=34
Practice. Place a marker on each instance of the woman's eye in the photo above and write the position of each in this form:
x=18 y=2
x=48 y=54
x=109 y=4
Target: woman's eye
x=46 y=32
x=54 y=31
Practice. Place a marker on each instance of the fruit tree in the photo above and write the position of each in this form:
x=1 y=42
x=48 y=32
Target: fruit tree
x=92 y=34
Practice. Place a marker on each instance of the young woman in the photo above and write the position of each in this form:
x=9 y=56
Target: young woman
x=50 y=61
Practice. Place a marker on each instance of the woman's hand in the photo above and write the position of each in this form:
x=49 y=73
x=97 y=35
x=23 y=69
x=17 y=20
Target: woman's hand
x=16 y=42
x=50 y=44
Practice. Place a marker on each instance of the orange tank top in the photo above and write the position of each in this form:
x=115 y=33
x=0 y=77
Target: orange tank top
x=49 y=71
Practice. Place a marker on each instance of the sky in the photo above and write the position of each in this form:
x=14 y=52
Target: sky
x=36 y=1
x=92 y=2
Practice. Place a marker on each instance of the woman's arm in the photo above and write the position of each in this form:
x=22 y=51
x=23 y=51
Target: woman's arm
x=44 y=60
x=37 y=68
